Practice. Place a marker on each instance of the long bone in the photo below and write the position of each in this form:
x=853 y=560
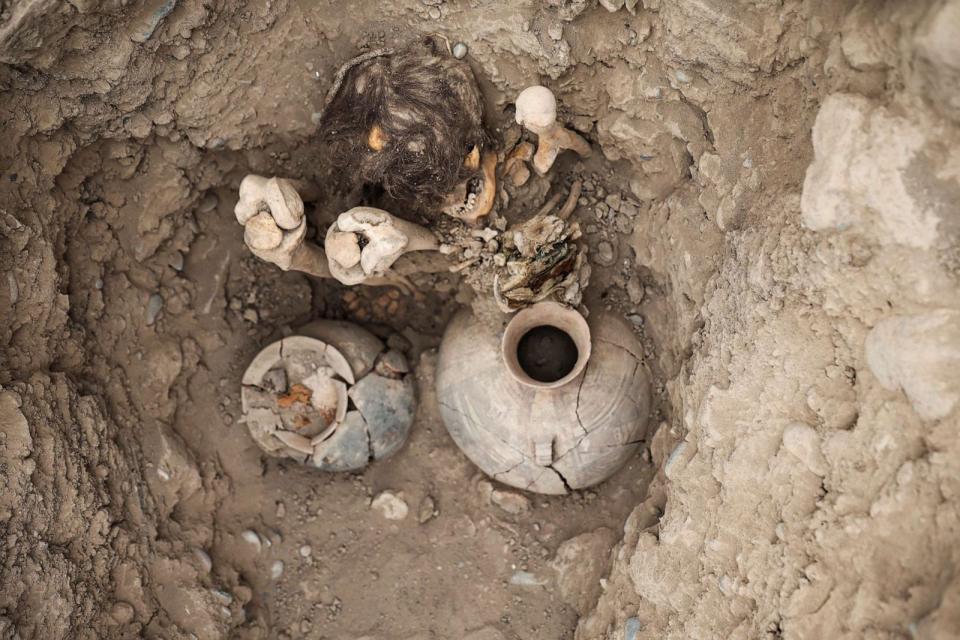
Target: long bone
x=365 y=242
x=271 y=211
x=537 y=112
x=274 y=227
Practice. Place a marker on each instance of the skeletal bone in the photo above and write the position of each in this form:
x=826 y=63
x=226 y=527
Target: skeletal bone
x=537 y=112
x=275 y=195
x=474 y=206
x=364 y=243
x=274 y=227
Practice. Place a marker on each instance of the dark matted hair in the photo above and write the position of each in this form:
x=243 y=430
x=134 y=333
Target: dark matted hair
x=429 y=109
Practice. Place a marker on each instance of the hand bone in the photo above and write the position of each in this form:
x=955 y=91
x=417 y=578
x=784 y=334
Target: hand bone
x=274 y=227
x=274 y=195
x=537 y=112
x=364 y=243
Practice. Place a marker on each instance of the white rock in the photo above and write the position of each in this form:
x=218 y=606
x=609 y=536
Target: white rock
x=252 y=538
x=276 y=569
x=803 y=442
x=204 y=559
x=921 y=355
x=862 y=175
x=390 y=505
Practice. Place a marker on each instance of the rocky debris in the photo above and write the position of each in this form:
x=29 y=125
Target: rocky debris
x=635 y=289
x=580 y=563
x=631 y=629
x=919 y=354
x=427 y=510
x=526 y=579
x=852 y=186
x=390 y=505
x=122 y=612
x=154 y=305
x=510 y=501
x=253 y=539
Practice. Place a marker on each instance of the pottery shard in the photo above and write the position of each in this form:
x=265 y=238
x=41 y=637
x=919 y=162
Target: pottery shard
x=388 y=406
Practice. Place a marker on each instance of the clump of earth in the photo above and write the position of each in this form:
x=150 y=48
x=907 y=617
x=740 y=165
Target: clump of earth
x=772 y=202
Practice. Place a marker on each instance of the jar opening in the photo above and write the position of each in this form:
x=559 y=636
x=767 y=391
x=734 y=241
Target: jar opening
x=547 y=353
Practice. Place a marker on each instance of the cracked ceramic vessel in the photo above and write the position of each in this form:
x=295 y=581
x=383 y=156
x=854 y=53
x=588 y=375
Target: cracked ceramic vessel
x=332 y=396
x=548 y=402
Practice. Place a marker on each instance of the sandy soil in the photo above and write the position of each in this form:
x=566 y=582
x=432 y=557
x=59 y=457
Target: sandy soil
x=775 y=208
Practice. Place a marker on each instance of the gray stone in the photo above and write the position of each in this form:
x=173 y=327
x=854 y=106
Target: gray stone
x=580 y=563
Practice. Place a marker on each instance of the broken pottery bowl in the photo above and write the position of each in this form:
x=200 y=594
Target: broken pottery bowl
x=332 y=396
x=547 y=401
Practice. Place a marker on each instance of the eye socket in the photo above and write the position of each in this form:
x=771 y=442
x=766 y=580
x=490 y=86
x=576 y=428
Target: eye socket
x=472 y=161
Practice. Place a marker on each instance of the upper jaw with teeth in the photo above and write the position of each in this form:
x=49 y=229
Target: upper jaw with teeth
x=473 y=198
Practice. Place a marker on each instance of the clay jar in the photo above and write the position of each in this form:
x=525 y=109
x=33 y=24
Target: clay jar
x=332 y=396
x=548 y=402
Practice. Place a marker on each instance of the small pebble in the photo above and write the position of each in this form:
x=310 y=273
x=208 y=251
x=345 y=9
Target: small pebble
x=281 y=510
x=305 y=551
x=176 y=261
x=154 y=305
x=631 y=628
x=459 y=51
x=623 y=223
x=392 y=364
x=252 y=538
x=555 y=31
x=204 y=559
x=390 y=505
x=399 y=342
x=526 y=579
x=121 y=612
x=512 y=503
x=427 y=509
x=276 y=569
x=251 y=315
x=605 y=255
x=635 y=289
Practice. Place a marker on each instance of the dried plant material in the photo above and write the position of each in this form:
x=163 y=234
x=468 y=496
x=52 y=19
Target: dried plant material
x=540 y=259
